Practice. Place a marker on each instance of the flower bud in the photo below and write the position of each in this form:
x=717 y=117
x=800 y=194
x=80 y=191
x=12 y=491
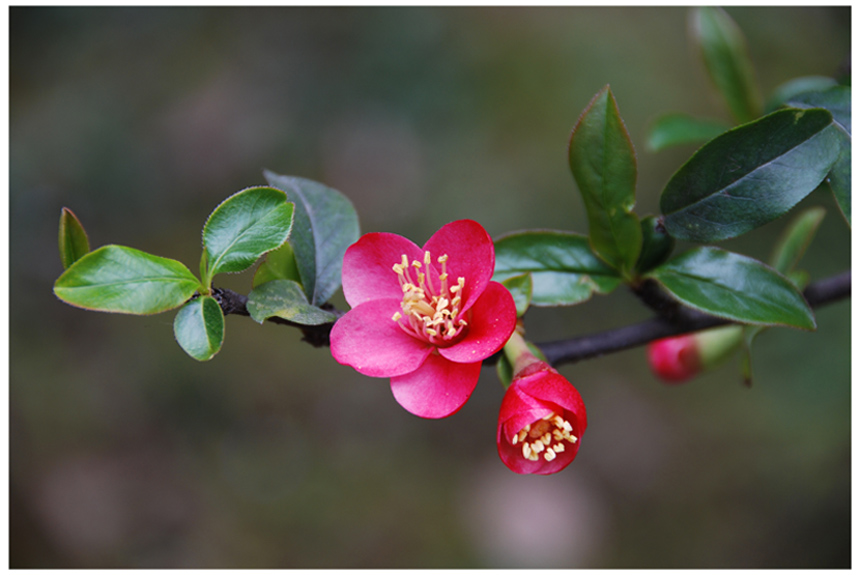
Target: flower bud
x=680 y=358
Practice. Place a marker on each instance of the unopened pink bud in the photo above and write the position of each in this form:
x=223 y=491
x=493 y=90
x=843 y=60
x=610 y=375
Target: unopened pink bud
x=675 y=359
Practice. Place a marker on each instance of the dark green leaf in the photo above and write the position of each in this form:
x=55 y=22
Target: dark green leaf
x=724 y=51
x=287 y=300
x=564 y=270
x=657 y=245
x=326 y=224
x=74 y=243
x=125 y=280
x=679 y=129
x=788 y=90
x=244 y=227
x=520 y=287
x=795 y=239
x=839 y=180
x=603 y=164
x=280 y=264
x=734 y=287
x=199 y=328
x=750 y=175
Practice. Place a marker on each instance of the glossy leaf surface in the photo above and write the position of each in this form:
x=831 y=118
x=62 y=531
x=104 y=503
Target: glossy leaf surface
x=603 y=164
x=837 y=101
x=280 y=264
x=244 y=227
x=784 y=92
x=287 y=300
x=734 y=287
x=125 y=280
x=563 y=268
x=672 y=130
x=750 y=175
x=326 y=224
x=657 y=244
x=724 y=51
x=73 y=240
x=199 y=328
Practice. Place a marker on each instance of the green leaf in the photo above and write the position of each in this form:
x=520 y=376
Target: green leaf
x=795 y=239
x=125 y=280
x=287 y=300
x=784 y=92
x=672 y=130
x=199 y=328
x=734 y=287
x=520 y=287
x=244 y=227
x=837 y=101
x=74 y=243
x=724 y=51
x=603 y=164
x=750 y=175
x=326 y=224
x=280 y=264
x=657 y=245
x=564 y=270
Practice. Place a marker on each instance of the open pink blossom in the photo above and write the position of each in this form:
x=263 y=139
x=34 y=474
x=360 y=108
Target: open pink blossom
x=424 y=317
x=541 y=421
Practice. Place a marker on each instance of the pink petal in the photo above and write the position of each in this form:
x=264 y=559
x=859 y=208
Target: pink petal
x=367 y=339
x=471 y=255
x=438 y=388
x=493 y=319
x=367 y=273
x=555 y=389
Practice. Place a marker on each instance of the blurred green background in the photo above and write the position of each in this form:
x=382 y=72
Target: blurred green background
x=127 y=453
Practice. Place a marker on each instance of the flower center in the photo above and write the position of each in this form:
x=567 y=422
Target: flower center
x=536 y=437
x=430 y=309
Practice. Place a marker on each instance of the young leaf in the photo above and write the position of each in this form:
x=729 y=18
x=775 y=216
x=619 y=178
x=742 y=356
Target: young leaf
x=74 y=243
x=280 y=264
x=520 y=287
x=125 y=280
x=750 y=175
x=672 y=130
x=657 y=245
x=724 y=51
x=795 y=239
x=784 y=92
x=603 y=163
x=837 y=101
x=199 y=328
x=326 y=224
x=734 y=287
x=563 y=268
x=285 y=299
x=244 y=227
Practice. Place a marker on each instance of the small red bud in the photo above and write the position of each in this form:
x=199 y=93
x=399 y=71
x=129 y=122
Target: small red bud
x=675 y=359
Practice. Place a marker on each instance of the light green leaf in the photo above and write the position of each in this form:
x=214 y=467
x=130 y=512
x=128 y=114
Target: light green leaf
x=563 y=268
x=750 y=175
x=199 y=328
x=287 y=300
x=280 y=264
x=603 y=164
x=734 y=287
x=125 y=280
x=326 y=224
x=672 y=130
x=795 y=239
x=784 y=92
x=520 y=287
x=244 y=227
x=74 y=243
x=724 y=51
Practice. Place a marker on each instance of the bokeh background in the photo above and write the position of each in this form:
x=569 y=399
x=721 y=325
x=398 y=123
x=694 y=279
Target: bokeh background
x=127 y=453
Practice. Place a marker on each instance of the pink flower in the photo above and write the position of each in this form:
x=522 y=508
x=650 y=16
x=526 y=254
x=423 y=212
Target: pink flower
x=541 y=421
x=425 y=317
x=674 y=359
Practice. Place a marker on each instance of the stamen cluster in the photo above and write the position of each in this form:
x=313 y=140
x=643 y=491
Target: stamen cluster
x=541 y=433
x=430 y=310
